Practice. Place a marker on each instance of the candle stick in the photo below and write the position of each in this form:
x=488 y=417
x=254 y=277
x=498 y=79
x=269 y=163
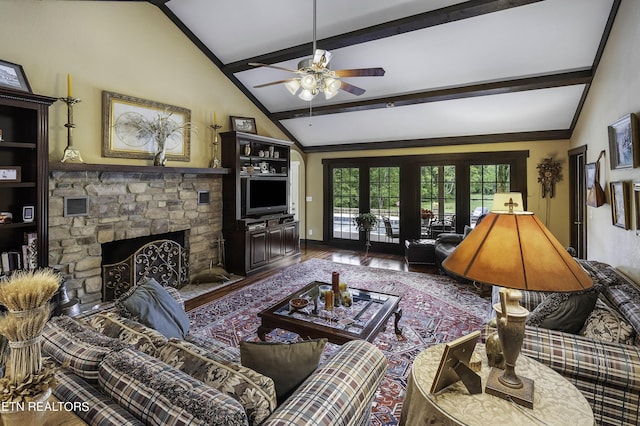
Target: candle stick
x=215 y=161
x=215 y=119
x=69 y=86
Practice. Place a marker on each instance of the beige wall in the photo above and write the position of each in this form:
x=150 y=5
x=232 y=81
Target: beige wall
x=124 y=47
x=133 y=49
x=615 y=92
x=558 y=207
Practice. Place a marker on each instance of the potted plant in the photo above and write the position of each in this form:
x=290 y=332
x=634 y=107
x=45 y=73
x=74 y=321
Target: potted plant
x=426 y=215
x=365 y=223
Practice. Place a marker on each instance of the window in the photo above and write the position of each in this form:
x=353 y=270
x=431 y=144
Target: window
x=437 y=195
x=484 y=181
x=458 y=188
x=346 y=200
x=384 y=202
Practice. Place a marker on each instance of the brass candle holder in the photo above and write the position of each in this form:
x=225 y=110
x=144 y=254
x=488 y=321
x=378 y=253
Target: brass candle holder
x=215 y=161
x=70 y=155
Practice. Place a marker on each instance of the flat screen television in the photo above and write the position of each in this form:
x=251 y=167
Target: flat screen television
x=266 y=195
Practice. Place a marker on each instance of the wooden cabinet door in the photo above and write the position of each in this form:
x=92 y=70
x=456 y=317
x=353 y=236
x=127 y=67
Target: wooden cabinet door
x=276 y=243
x=258 y=249
x=291 y=239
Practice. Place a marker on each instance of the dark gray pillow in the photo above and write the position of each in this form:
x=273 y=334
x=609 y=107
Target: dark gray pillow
x=564 y=311
x=153 y=306
x=287 y=364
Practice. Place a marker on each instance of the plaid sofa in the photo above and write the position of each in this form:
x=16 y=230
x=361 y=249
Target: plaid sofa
x=122 y=381
x=607 y=373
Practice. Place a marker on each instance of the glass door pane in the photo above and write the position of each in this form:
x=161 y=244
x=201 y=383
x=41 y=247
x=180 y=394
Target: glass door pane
x=437 y=200
x=484 y=181
x=384 y=198
x=346 y=183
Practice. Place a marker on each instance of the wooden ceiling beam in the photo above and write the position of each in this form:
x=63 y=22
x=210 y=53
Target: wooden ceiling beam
x=456 y=12
x=569 y=78
x=544 y=135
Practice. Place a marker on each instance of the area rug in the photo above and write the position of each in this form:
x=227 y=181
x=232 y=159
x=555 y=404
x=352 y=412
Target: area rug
x=436 y=309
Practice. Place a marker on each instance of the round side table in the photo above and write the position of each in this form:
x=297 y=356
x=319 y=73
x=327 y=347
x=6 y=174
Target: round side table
x=555 y=400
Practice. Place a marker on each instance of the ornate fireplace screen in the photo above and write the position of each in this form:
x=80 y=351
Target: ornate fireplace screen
x=165 y=260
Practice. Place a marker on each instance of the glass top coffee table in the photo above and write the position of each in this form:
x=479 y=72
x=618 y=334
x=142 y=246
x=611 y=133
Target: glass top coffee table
x=363 y=320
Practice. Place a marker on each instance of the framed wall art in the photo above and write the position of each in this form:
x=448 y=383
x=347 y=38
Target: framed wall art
x=590 y=174
x=135 y=128
x=12 y=76
x=623 y=143
x=636 y=202
x=619 y=205
x=10 y=173
x=243 y=124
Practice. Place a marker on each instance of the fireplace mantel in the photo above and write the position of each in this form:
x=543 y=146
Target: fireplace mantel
x=84 y=167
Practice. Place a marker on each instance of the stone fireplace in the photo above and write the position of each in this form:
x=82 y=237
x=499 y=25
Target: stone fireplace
x=126 y=205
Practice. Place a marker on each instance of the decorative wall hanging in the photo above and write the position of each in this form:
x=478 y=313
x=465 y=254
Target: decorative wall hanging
x=619 y=204
x=623 y=143
x=138 y=128
x=636 y=201
x=549 y=172
x=595 y=196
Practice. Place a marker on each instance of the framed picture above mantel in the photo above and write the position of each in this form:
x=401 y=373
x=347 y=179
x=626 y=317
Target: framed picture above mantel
x=130 y=128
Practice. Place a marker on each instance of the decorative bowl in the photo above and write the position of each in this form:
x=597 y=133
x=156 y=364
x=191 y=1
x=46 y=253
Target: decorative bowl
x=298 y=303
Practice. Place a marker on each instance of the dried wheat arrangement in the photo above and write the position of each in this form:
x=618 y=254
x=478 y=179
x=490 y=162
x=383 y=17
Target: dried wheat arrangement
x=26 y=295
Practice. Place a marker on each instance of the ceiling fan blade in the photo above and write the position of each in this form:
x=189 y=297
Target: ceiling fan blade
x=322 y=57
x=273 y=83
x=351 y=88
x=361 y=72
x=256 y=64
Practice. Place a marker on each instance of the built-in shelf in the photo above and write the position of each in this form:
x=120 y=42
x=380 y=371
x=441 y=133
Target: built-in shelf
x=84 y=167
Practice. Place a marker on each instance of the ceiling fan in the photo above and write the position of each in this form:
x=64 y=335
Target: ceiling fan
x=315 y=76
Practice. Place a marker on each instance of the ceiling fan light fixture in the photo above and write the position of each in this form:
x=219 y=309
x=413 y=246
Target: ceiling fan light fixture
x=331 y=87
x=293 y=86
x=306 y=95
x=309 y=82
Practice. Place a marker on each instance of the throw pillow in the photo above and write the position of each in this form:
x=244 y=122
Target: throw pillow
x=153 y=306
x=608 y=327
x=141 y=337
x=81 y=348
x=253 y=390
x=288 y=364
x=159 y=394
x=565 y=312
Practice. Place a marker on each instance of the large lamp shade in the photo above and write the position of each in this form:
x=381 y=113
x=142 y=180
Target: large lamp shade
x=515 y=250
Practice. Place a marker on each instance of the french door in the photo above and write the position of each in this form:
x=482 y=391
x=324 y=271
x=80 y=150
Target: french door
x=578 y=201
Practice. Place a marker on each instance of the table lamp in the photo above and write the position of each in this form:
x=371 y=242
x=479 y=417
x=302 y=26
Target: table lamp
x=514 y=250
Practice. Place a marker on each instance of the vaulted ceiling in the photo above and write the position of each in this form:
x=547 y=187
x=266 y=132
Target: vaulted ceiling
x=456 y=72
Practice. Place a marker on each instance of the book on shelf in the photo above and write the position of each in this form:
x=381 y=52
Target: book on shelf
x=25 y=258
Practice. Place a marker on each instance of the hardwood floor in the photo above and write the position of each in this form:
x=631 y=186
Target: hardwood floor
x=393 y=262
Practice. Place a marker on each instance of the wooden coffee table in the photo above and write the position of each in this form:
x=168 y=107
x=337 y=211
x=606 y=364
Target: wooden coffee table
x=362 y=321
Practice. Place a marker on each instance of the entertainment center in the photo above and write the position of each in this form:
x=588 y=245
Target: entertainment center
x=257 y=226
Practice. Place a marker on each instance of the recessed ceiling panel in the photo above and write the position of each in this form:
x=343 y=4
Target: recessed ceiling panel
x=239 y=29
x=536 y=110
x=539 y=38
x=547 y=38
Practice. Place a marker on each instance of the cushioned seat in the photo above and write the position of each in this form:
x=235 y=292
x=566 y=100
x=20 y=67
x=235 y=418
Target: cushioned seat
x=444 y=245
x=420 y=251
